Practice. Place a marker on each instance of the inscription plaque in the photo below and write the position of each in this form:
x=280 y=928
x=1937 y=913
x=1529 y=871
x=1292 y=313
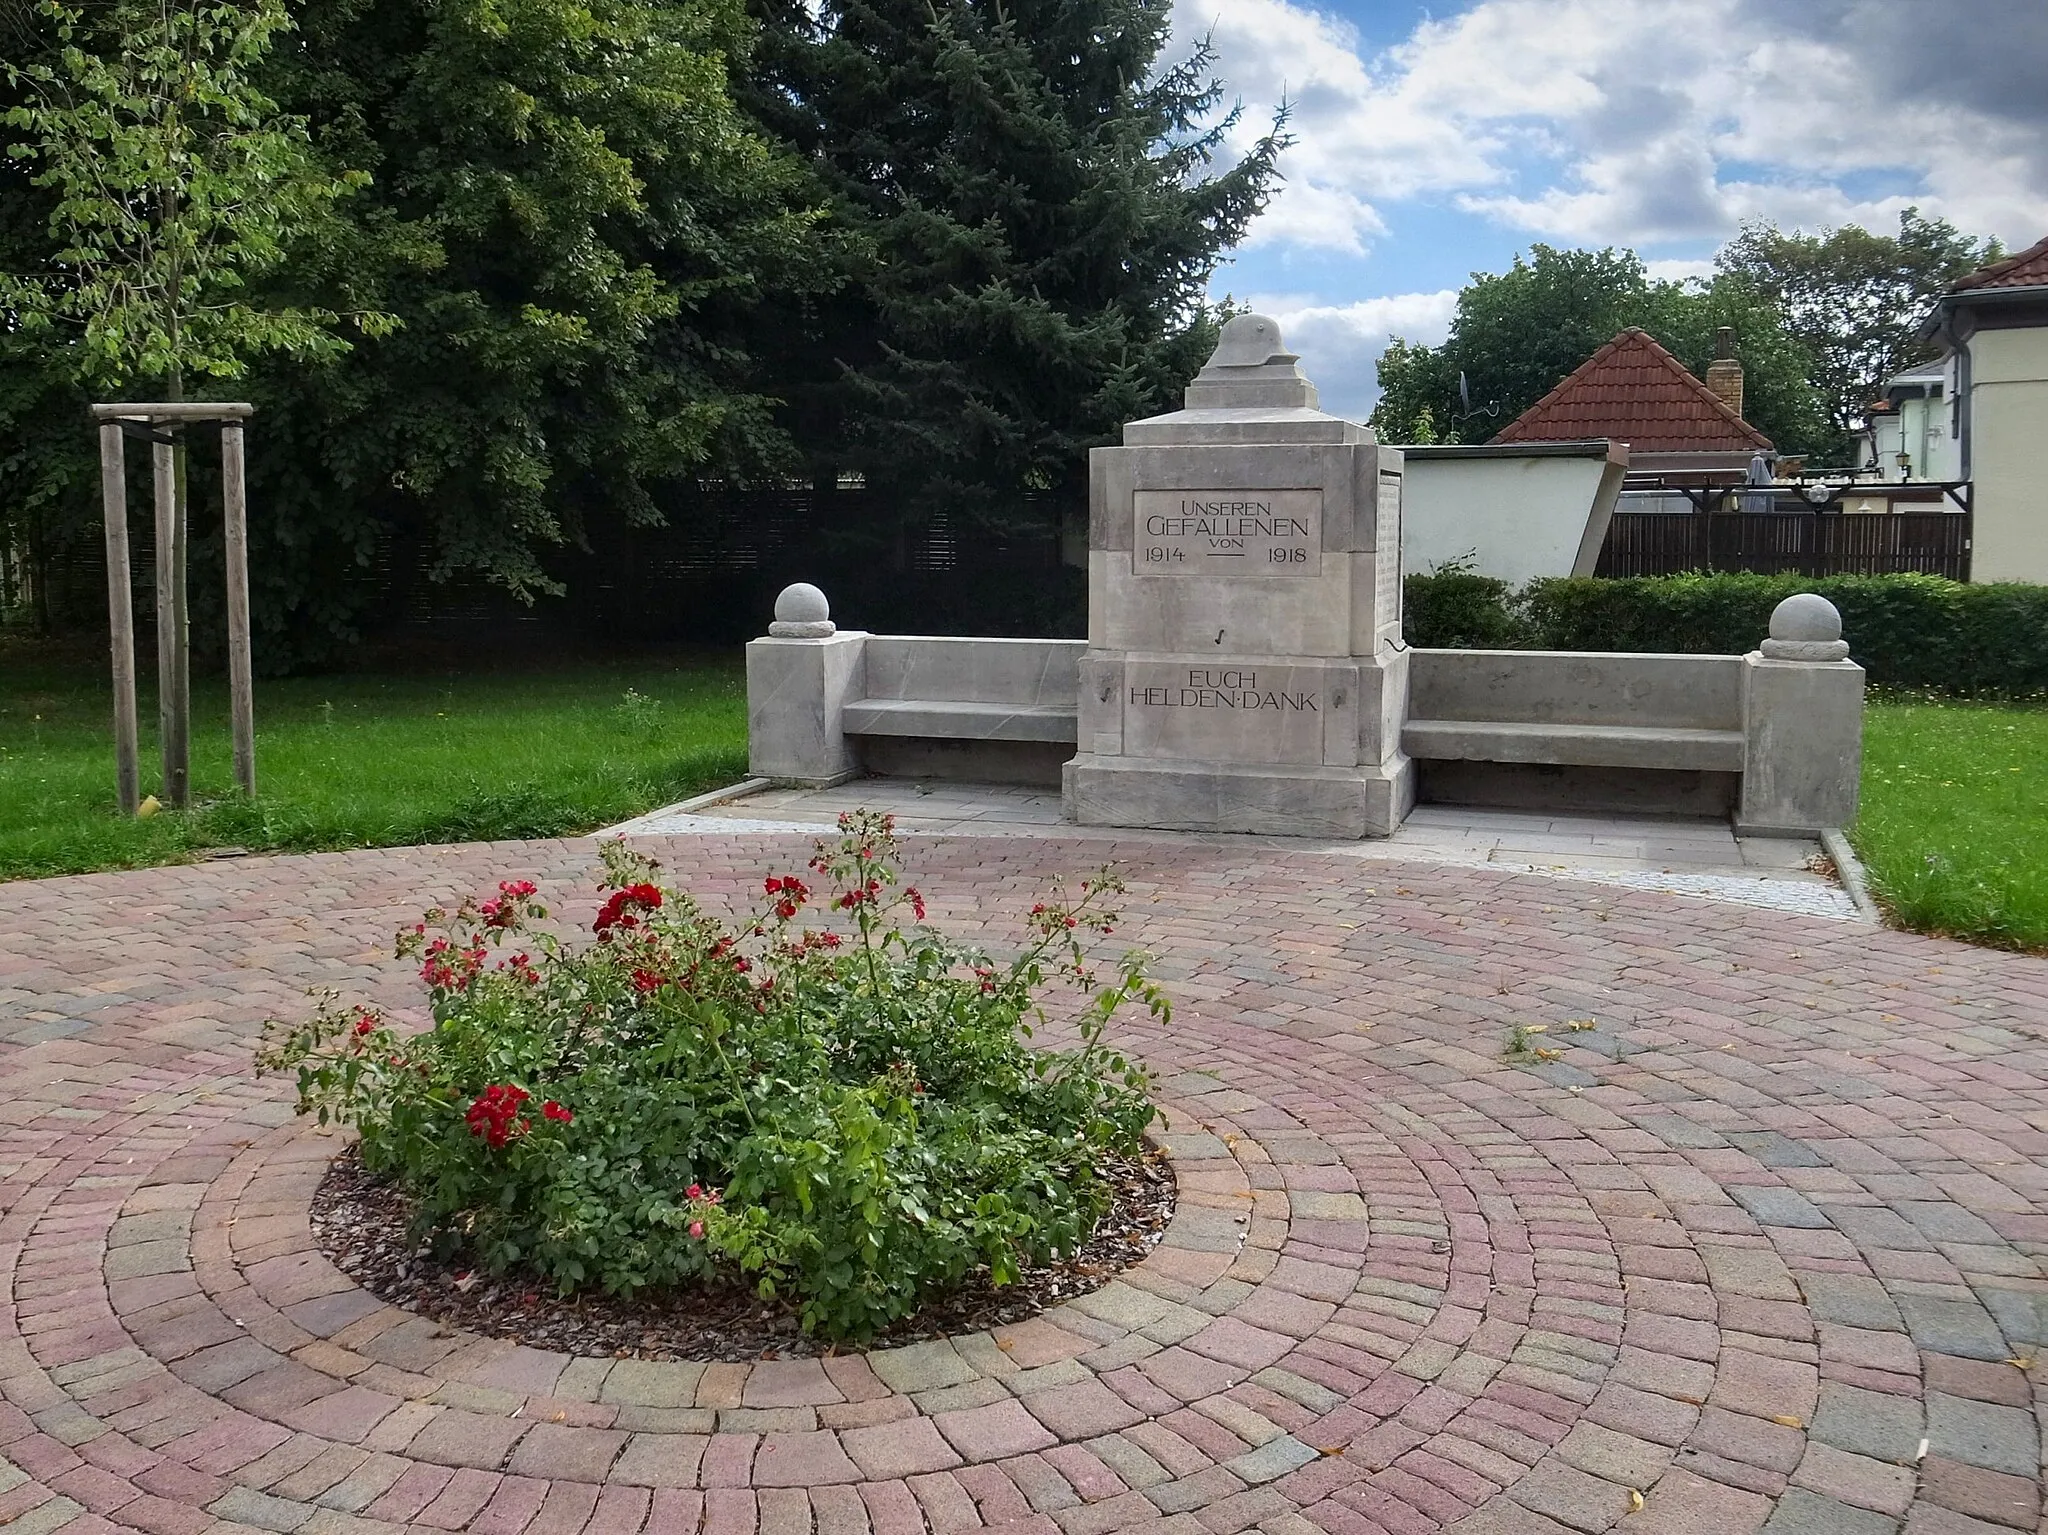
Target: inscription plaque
x=1234 y=533
x=1225 y=711
x=1387 y=557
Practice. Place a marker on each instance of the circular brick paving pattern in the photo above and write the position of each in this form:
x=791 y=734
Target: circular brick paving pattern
x=1759 y=1249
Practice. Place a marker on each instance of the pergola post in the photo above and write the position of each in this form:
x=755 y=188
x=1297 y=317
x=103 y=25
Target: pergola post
x=120 y=612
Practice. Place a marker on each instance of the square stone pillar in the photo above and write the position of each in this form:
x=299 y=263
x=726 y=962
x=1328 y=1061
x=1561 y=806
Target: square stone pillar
x=1802 y=724
x=1803 y=746
x=1244 y=671
x=797 y=689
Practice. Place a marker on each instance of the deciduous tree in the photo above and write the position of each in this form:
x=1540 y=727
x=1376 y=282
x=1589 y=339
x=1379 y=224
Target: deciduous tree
x=176 y=182
x=1853 y=299
x=171 y=182
x=1516 y=333
x=578 y=228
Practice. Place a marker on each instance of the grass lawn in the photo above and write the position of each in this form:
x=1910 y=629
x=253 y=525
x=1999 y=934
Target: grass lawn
x=1954 y=824
x=366 y=761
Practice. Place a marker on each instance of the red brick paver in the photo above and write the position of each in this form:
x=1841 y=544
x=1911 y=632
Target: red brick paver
x=1758 y=1250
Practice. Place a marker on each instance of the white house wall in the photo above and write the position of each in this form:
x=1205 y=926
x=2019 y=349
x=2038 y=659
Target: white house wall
x=1512 y=517
x=2009 y=454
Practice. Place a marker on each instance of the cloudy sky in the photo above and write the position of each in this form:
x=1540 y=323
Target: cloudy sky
x=1435 y=141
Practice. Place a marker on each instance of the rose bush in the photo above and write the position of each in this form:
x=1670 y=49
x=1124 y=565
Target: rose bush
x=849 y=1116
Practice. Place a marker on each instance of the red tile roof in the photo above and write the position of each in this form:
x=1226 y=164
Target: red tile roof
x=2028 y=269
x=1634 y=391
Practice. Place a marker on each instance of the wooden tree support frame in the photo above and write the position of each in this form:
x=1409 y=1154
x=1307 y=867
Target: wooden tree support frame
x=117 y=423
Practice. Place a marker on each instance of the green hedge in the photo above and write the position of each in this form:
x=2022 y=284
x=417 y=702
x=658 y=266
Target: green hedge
x=1907 y=631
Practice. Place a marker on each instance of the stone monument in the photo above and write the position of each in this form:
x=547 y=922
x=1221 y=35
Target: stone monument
x=1244 y=670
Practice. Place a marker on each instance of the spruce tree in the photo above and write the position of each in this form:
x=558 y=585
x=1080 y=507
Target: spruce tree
x=1034 y=208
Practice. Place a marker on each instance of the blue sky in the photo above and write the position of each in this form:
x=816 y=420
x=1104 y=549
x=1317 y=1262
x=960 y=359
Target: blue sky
x=1436 y=141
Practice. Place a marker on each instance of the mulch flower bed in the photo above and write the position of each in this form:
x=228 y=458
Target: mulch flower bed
x=361 y=1222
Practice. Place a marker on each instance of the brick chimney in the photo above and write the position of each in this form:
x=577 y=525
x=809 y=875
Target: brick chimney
x=1724 y=373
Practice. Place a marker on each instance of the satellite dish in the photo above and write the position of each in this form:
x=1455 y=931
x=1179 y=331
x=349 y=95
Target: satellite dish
x=1465 y=410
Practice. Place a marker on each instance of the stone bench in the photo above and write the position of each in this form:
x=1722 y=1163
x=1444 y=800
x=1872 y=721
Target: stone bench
x=996 y=710
x=1772 y=738
x=1665 y=713
x=1684 y=734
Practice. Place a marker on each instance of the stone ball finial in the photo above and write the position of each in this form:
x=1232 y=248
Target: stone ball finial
x=802 y=613
x=1248 y=341
x=1806 y=627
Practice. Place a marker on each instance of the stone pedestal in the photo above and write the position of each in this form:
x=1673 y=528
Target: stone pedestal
x=1802 y=720
x=1244 y=612
x=797 y=691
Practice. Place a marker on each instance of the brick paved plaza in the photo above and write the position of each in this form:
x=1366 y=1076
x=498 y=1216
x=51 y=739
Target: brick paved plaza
x=1760 y=1251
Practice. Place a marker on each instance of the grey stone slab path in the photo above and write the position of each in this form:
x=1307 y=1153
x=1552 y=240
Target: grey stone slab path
x=1699 y=858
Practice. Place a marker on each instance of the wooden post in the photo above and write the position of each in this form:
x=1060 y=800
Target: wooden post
x=181 y=634
x=173 y=664
x=120 y=612
x=169 y=557
x=235 y=511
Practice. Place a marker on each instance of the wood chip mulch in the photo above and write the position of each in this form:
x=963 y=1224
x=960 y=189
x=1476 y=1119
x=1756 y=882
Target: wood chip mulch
x=361 y=1223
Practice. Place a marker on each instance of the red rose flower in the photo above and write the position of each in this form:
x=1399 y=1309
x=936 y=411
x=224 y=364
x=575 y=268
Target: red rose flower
x=620 y=906
x=495 y=1118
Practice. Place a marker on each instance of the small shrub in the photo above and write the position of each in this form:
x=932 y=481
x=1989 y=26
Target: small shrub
x=1907 y=631
x=853 y=1120
x=1452 y=608
x=639 y=716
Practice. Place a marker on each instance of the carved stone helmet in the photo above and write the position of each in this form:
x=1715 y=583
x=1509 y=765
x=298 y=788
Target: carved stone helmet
x=1249 y=341
x=1251 y=368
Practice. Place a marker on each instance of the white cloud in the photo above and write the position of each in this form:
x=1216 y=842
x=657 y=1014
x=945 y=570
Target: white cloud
x=1640 y=121
x=1678 y=270
x=1341 y=343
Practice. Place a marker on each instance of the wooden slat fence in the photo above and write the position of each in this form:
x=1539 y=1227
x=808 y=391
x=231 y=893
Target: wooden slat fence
x=1804 y=543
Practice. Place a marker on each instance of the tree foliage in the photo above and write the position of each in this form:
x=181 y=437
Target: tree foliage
x=1820 y=321
x=1038 y=210
x=149 y=186
x=574 y=221
x=1516 y=333
x=1854 y=299
x=626 y=245
x=174 y=182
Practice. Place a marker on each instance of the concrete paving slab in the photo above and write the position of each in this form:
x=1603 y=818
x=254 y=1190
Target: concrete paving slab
x=1699 y=858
